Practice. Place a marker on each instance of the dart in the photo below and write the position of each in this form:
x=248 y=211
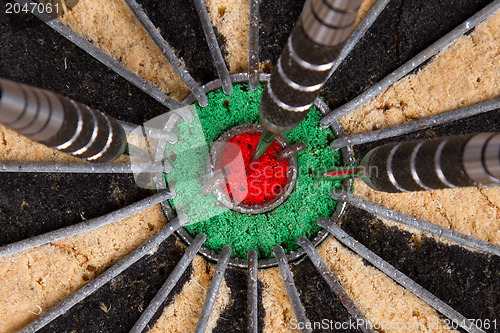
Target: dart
x=61 y=123
x=446 y=162
x=304 y=66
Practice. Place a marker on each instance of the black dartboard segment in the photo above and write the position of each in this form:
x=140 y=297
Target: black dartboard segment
x=33 y=53
x=466 y=280
x=180 y=25
x=323 y=308
x=233 y=318
x=119 y=304
x=484 y=122
x=401 y=31
x=33 y=204
x=277 y=21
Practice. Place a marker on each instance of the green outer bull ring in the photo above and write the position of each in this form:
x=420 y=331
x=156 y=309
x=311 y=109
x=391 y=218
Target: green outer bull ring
x=210 y=254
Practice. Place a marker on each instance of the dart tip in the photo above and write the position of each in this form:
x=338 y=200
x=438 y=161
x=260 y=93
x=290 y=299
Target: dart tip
x=339 y=173
x=265 y=141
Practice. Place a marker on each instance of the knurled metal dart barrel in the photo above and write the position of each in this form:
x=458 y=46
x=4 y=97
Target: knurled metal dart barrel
x=60 y=122
x=446 y=162
x=305 y=65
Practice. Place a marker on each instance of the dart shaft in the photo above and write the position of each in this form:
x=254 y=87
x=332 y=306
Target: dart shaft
x=60 y=122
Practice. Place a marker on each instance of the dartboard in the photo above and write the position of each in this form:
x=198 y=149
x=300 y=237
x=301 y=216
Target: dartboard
x=87 y=249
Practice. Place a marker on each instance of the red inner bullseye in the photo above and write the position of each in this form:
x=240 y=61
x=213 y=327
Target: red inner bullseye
x=264 y=179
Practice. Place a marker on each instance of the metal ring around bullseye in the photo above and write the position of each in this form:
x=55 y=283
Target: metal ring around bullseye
x=210 y=254
x=241 y=207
